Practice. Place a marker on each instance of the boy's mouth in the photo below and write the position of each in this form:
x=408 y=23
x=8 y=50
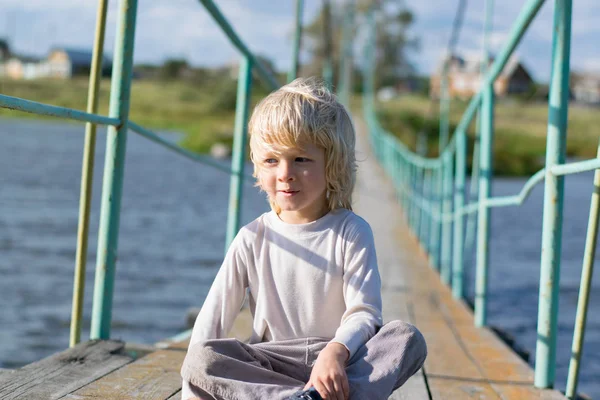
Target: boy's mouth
x=288 y=192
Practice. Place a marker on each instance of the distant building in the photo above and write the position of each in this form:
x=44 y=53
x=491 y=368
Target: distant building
x=66 y=63
x=464 y=79
x=586 y=87
x=24 y=67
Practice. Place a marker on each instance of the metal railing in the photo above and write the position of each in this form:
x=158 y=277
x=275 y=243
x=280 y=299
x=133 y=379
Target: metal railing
x=118 y=126
x=432 y=191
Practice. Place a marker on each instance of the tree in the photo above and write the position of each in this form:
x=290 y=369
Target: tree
x=173 y=68
x=393 y=21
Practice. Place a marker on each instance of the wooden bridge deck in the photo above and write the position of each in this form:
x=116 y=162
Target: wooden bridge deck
x=463 y=362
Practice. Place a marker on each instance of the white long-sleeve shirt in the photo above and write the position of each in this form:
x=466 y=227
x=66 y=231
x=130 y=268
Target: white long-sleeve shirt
x=315 y=279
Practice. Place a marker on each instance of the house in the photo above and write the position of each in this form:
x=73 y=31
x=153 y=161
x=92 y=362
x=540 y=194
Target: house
x=586 y=87
x=66 y=63
x=15 y=66
x=464 y=78
x=24 y=67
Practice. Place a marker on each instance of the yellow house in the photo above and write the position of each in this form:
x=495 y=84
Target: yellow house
x=65 y=63
x=464 y=78
x=24 y=67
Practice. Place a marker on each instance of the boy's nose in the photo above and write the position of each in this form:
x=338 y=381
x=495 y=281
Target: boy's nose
x=285 y=172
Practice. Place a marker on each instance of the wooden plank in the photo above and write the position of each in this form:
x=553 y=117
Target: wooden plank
x=443 y=388
x=153 y=377
x=176 y=396
x=181 y=345
x=414 y=389
x=507 y=392
x=241 y=330
x=496 y=360
x=64 y=372
x=394 y=306
x=445 y=353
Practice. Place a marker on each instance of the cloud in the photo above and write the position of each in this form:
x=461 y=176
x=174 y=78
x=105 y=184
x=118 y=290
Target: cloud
x=183 y=28
x=174 y=28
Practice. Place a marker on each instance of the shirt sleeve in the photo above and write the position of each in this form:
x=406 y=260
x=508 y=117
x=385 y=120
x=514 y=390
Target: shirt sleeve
x=186 y=391
x=226 y=296
x=362 y=290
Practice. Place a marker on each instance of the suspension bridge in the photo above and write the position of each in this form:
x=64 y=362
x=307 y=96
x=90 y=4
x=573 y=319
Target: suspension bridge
x=419 y=217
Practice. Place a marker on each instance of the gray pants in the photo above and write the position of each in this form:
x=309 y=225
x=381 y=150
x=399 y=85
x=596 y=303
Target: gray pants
x=231 y=370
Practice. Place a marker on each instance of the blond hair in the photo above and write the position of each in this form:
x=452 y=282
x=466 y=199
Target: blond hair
x=305 y=111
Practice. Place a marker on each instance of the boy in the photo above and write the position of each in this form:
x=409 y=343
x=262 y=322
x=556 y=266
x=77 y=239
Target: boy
x=311 y=270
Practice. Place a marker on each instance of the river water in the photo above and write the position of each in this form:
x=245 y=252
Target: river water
x=172 y=239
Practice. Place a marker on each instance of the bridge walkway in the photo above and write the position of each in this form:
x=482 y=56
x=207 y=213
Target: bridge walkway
x=464 y=362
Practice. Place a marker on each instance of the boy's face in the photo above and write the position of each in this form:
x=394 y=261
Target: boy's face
x=295 y=180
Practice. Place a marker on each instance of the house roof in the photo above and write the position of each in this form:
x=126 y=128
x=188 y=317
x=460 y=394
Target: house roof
x=473 y=64
x=80 y=57
x=25 y=58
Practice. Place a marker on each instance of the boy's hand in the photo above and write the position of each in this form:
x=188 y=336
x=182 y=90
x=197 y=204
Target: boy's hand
x=329 y=375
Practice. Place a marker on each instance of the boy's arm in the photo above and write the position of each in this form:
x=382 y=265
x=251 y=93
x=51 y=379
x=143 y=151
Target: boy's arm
x=223 y=301
x=362 y=291
x=225 y=297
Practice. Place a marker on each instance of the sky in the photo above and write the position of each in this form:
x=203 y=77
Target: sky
x=183 y=29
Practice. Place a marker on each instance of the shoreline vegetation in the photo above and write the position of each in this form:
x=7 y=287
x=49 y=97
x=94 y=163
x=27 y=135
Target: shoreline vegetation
x=204 y=113
x=520 y=129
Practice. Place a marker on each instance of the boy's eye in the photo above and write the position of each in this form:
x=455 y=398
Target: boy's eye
x=270 y=161
x=302 y=159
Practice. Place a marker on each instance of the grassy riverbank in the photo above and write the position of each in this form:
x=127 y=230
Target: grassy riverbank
x=520 y=130
x=204 y=112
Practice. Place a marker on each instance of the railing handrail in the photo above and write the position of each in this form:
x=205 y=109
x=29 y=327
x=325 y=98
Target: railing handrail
x=218 y=16
x=34 y=107
x=415 y=187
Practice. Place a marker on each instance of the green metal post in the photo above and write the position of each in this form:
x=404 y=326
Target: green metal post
x=414 y=211
x=459 y=202
x=474 y=184
x=436 y=208
x=410 y=192
x=293 y=74
x=424 y=223
x=392 y=172
x=411 y=198
x=443 y=141
x=446 y=251
x=346 y=59
x=483 y=216
x=444 y=107
x=585 y=287
x=239 y=149
x=227 y=29
x=116 y=141
x=545 y=359
x=397 y=172
x=328 y=60
x=419 y=192
x=406 y=189
x=87 y=176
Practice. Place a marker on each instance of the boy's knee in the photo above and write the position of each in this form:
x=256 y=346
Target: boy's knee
x=409 y=335
x=199 y=358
